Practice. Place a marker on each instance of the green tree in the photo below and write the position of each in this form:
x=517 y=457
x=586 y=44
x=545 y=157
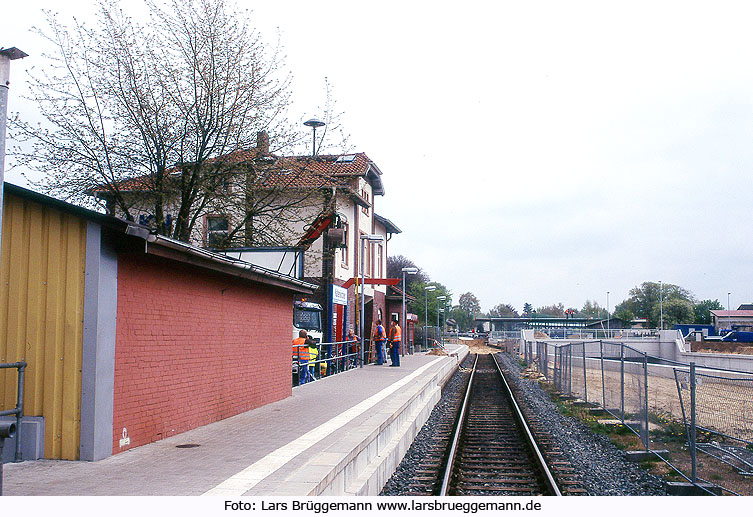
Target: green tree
x=416 y=290
x=676 y=311
x=154 y=119
x=395 y=265
x=527 y=309
x=591 y=309
x=503 y=310
x=555 y=311
x=644 y=302
x=703 y=310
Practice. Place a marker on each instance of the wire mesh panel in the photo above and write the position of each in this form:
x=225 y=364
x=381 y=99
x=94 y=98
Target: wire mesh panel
x=724 y=404
x=612 y=381
x=635 y=414
x=578 y=381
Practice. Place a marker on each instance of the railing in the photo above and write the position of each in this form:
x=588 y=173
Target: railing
x=18 y=411
x=328 y=359
x=589 y=334
x=638 y=390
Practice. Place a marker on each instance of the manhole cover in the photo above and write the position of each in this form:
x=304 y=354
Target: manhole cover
x=187 y=446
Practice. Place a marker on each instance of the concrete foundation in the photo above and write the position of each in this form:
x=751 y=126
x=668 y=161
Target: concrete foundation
x=32 y=439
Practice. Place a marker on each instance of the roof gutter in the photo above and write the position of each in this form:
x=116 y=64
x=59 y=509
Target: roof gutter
x=166 y=247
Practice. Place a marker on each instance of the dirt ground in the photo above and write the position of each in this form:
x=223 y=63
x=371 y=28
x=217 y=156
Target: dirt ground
x=715 y=347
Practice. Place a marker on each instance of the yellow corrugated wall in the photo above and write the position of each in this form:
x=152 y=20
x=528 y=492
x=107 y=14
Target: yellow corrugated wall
x=42 y=317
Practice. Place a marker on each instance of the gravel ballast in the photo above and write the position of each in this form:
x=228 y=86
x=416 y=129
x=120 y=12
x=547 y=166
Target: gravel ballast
x=600 y=467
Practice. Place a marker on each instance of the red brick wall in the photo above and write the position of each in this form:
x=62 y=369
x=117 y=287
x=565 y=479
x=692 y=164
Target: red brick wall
x=194 y=347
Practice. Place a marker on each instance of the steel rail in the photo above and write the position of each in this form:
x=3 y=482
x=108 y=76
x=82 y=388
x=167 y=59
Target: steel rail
x=552 y=484
x=456 y=434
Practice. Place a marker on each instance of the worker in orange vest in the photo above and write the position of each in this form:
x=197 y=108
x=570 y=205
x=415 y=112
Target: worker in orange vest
x=379 y=338
x=350 y=349
x=301 y=356
x=395 y=337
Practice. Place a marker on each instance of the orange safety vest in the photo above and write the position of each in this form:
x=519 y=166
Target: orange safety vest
x=300 y=353
x=395 y=333
x=379 y=333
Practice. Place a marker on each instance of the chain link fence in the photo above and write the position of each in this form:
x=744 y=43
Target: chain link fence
x=638 y=390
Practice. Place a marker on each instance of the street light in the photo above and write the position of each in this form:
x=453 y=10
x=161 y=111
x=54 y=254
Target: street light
x=426 y=312
x=661 y=306
x=6 y=56
x=439 y=298
x=314 y=123
x=729 y=323
x=607 y=312
x=364 y=238
x=410 y=271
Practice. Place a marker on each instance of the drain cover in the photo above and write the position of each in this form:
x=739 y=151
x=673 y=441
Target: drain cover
x=187 y=446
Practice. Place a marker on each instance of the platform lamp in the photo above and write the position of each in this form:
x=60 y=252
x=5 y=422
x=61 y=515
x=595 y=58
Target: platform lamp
x=607 y=314
x=661 y=306
x=410 y=271
x=364 y=238
x=314 y=123
x=426 y=313
x=439 y=298
x=729 y=322
x=6 y=56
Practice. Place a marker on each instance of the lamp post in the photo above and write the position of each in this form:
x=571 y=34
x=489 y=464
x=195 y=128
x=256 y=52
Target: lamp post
x=403 y=322
x=729 y=322
x=607 y=312
x=439 y=298
x=426 y=312
x=314 y=123
x=364 y=238
x=661 y=306
x=6 y=56
x=444 y=318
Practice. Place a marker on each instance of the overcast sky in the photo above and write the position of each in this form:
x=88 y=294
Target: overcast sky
x=536 y=152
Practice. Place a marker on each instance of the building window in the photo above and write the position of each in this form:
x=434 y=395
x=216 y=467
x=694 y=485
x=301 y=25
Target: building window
x=217 y=231
x=365 y=195
x=378 y=262
x=344 y=249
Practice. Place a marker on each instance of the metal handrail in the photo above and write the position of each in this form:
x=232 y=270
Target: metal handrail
x=19 y=409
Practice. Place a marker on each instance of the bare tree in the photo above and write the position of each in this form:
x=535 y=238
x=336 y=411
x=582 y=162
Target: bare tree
x=165 y=120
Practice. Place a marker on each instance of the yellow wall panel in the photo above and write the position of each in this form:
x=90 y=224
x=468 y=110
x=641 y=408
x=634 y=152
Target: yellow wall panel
x=42 y=273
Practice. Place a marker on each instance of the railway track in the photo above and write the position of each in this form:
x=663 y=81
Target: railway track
x=490 y=449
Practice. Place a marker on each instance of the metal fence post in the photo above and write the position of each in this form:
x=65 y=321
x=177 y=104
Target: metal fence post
x=570 y=371
x=693 y=476
x=622 y=382
x=585 y=379
x=603 y=386
x=645 y=395
x=554 y=369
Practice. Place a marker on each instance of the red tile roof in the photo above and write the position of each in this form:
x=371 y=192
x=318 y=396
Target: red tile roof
x=285 y=171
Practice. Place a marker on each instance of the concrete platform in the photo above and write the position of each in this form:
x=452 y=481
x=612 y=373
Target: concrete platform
x=343 y=435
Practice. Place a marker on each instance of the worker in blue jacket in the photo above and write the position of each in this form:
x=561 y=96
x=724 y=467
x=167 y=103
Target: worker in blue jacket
x=379 y=338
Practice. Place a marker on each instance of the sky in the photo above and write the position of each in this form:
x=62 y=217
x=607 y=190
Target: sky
x=540 y=152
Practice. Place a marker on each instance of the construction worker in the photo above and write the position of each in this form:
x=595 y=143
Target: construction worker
x=301 y=356
x=313 y=356
x=395 y=338
x=351 y=349
x=379 y=337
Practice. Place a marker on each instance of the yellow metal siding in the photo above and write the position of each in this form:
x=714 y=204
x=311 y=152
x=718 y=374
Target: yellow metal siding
x=41 y=317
